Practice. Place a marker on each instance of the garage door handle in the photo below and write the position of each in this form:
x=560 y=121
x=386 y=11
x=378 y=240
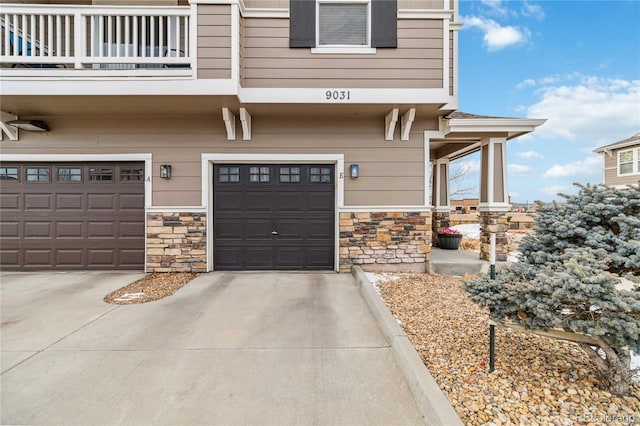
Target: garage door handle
x=274 y=232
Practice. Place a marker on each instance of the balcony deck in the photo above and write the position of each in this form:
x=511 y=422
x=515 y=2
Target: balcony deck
x=100 y=40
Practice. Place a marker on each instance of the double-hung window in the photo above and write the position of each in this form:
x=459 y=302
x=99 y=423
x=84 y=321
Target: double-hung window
x=629 y=162
x=343 y=24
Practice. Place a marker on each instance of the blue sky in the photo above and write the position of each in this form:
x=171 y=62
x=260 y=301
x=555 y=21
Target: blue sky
x=575 y=63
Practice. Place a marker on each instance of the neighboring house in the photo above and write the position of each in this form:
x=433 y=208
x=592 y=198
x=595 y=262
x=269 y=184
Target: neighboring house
x=621 y=162
x=235 y=134
x=466 y=205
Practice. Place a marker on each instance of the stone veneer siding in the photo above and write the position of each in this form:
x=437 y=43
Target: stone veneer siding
x=493 y=222
x=440 y=221
x=385 y=240
x=176 y=242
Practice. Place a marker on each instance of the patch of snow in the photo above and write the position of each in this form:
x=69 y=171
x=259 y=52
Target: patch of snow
x=514 y=256
x=635 y=364
x=469 y=230
x=376 y=278
x=566 y=311
x=128 y=297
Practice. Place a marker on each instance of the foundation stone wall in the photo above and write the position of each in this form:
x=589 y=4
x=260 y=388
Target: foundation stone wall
x=176 y=242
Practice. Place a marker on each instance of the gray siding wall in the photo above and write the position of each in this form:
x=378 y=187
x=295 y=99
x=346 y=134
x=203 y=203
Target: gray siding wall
x=391 y=172
x=269 y=62
x=214 y=41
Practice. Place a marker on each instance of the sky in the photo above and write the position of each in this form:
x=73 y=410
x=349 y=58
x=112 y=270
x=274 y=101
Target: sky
x=574 y=63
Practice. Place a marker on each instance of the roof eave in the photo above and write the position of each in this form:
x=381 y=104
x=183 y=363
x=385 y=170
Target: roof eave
x=512 y=127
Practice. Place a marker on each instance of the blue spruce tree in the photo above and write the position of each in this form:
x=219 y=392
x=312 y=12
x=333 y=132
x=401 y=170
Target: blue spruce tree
x=580 y=272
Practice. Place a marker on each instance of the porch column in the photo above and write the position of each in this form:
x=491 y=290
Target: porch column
x=440 y=198
x=494 y=197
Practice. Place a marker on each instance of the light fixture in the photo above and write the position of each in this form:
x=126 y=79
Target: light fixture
x=355 y=171
x=165 y=171
x=30 y=125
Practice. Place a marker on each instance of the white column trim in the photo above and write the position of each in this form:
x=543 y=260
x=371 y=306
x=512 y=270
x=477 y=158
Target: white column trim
x=445 y=55
x=235 y=42
x=193 y=39
x=490 y=171
x=10 y=131
x=505 y=183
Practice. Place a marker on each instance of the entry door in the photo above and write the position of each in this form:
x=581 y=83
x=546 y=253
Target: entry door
x=274 y=216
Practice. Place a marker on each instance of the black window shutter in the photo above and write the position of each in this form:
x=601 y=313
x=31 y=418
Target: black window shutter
x=302 y=23
x=384 y=23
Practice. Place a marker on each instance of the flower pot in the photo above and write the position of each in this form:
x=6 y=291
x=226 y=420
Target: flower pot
x=449 y=241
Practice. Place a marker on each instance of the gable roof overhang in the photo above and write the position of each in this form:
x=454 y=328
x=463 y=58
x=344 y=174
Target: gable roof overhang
x=608 y=149
x=462 y=132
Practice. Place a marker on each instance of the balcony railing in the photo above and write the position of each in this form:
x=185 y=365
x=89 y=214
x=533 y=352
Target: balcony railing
x=88 y=37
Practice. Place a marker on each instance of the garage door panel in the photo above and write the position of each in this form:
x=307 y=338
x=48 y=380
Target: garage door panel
x=291 y=229
x=101 y=257
x=39 y=257
x=9 y=201
x=39 y=229
x=320 y=202
x=69 y=202
x=133 y=229
x=290 y=202
x=258 y=230
x=289 y=257
x=228 y=257
x=70 y=258
x=73 y=229
x=258 y=202
x=100 y=229
x=259 y=257
x=101 y=202
x=10 y=258
x=228 y=229
x=131 y=202
x=38 y=202
x=321 y=229
x=318 y=257
x=10 y=229
x=132 y=257
x=62 y=223
x=228 y=202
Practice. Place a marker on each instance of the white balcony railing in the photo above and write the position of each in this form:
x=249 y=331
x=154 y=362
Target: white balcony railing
x=87 y=37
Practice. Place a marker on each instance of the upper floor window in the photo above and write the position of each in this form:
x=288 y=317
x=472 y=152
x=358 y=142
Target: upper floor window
x=629 y=162
x=343 y=24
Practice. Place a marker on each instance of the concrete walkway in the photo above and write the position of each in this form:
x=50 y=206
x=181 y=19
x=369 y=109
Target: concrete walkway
x=229 y=348
x=459 y=262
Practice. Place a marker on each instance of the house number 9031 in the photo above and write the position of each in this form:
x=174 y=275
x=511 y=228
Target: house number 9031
x=338 y=95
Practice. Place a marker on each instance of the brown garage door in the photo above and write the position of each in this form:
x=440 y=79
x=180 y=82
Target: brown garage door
x=274 y=216
x=71 y=216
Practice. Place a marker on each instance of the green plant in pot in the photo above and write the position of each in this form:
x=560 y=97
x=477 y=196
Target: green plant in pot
x=449 y=239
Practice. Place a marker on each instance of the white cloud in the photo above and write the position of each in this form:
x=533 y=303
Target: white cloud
x=496 y=36
x=594 y=109
x=532 y=10
x=529 y=154
x=590 y=166
x=496 y=7
x=519 y=170
x=553 y=190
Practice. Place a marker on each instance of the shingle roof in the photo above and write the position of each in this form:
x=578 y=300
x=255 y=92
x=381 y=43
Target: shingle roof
x=628 y=141
x=466 y=115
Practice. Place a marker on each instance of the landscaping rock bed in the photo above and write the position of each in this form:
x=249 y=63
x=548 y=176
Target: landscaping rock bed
x=152 y=287
x=538 y=380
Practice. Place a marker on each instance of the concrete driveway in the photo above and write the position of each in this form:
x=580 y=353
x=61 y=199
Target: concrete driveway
x=229 y=348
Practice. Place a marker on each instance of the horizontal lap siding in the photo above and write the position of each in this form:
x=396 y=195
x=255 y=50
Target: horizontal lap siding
x=391 y=172
x=269 y=62
x=611 y=171
x=214 y=41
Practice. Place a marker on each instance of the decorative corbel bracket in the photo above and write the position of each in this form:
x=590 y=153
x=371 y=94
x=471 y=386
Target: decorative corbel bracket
x=245 y=120
x=390 y=124
x=229 y=123
x=405 y=123
x=6 y=129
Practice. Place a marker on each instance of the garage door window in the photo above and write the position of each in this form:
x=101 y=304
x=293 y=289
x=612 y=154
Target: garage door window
x=38 y=174
x=101 y=174
x=228 y=174
x=131 y=174
x=290 y=174
x=9 y=174
x=259 y=174
x=320 y=175
x=69 y=174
